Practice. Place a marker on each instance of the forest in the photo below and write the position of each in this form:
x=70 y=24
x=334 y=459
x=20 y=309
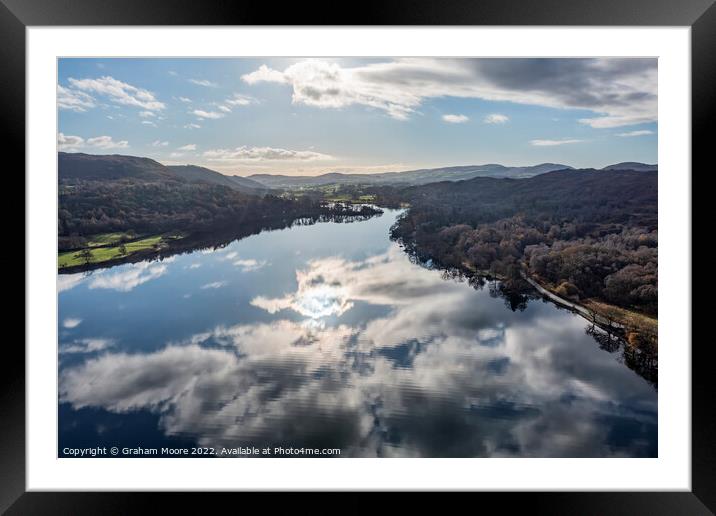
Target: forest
x=585 y=234
x=108 y=194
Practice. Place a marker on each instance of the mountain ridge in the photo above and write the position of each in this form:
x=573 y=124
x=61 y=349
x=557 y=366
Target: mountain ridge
x=632 y=165
x=430 y=175
x=409 y=177
x=120 y=167
x=202 y=174
x=81 y=166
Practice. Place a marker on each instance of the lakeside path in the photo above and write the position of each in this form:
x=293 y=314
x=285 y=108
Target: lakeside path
x=590 y=315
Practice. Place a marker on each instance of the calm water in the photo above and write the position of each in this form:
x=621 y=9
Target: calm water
x=328 y=336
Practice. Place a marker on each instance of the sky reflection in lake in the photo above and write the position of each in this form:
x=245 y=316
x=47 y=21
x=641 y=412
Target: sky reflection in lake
x=328 y=336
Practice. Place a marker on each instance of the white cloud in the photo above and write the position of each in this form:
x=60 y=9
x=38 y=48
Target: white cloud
x=192 y=126
x=215 y=284
x=643 y=132
x=248 y=265
x=608 y=122
x=620 y=91
x=203 y=82
x=496 y=118
x=159 y=143
x=551 y=143
x=69 y=281
x=264 y=154
x=86 y=346
x=184 y=99
x=147 y=114
x=119 y=92
x=229 y=256
x=236 y=100
x=128 y=278
x=106 y=142
x=314 y=297
x=188 y=147
x=240 y=100
x=455 y=119
x=73 y=100
x=70 y=142
x=264 y=74
x=207 y=114
x=149 y=122
x=71 y=322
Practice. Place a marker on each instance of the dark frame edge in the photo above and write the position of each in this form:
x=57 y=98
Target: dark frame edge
x=371 y=12
x=703 y=414
x=12 y=396
x=701 y=500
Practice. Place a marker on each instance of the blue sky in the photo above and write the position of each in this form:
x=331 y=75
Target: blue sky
x=311 y=116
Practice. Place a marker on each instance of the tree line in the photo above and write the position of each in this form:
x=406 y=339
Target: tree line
x=89 y=207
x=589 y=234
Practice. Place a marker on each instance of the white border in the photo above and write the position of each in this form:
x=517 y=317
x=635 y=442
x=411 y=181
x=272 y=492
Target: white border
x=670 y=471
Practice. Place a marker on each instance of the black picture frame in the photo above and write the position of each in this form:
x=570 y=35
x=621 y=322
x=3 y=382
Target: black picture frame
x=700 y=15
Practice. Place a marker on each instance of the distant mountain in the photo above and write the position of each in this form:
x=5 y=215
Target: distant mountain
x=632 y=165
x=196 y=174
x=115 y=167
x=110 y=167
x=410 y=177
x=74 y=166
x=605 y=194
x=247 y=183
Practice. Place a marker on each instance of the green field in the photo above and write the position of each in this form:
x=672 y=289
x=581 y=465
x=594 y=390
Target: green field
x=107 y=251
x=105 y=239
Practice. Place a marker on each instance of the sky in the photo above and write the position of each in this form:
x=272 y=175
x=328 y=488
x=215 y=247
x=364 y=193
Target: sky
x=300 y=116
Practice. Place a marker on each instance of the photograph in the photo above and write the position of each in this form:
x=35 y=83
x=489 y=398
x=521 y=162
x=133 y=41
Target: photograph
x=357 y=257
x=410 y=247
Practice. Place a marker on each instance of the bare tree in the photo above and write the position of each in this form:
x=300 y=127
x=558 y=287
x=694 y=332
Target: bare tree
x=86 y=256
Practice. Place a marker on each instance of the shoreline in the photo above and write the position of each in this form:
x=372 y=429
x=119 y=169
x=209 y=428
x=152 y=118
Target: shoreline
x=610 y=318
x=576 y=307
x=605 y=315
x=205 y=239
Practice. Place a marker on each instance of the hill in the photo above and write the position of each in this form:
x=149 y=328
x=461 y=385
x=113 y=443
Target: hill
x=589 y=235
x=249 y=184
x=107 y=194
x=410 y=177
x=112 y=167
x=583 y=194
x=632 y=165
x=196 y=174
x=116 y=167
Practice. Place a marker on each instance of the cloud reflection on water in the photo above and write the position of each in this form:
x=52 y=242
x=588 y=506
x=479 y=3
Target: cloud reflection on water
x=444 y=371
x=121 y=279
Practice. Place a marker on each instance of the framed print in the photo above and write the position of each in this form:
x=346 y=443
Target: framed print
x=423 y=248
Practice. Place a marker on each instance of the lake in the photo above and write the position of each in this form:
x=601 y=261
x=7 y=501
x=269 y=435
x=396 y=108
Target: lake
x=328 y=336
